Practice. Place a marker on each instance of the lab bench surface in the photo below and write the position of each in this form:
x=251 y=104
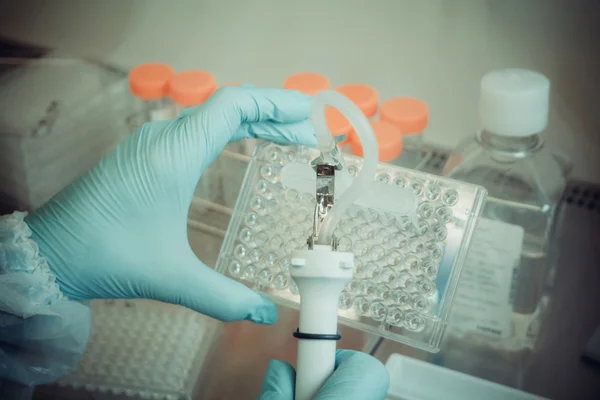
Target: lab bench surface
x=555 y=371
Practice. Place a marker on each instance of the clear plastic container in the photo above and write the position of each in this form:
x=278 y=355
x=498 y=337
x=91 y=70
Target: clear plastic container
x=140 y=349
x=411 y=116
x=412 y=379
x=150 y=84
x=188 y=89
x=59 y=115
x=406 y=266
x=508 y=264
x=389 y=142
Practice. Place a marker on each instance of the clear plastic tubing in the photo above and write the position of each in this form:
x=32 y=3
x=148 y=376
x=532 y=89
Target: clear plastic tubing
x=150 y=83
x=366 y=99
x=363 y=96
x=389 y=141
x=326 y=144
x=339 y=125
x=191 y=88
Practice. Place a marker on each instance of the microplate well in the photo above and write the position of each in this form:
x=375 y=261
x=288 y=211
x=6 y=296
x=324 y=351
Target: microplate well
x=405 y=273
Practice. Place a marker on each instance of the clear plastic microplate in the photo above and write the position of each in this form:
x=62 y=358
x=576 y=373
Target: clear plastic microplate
x=406 y=268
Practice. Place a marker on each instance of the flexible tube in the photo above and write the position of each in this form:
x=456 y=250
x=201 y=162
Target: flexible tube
x=326 y=144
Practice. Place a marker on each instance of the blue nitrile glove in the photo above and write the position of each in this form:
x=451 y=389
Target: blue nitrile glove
x=357 y=376
x=120 y=231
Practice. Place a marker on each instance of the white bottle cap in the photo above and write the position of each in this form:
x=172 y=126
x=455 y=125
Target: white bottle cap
x=514 y=102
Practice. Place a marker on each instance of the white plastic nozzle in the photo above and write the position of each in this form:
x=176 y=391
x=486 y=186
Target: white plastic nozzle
x=514 y=102
x=321 y=274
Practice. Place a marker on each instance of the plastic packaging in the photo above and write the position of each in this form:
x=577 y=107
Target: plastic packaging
x=150 y=83
x=412 y=379
x=140 y=349
x=409 y=233
x=411 y=116
x=524 y=183
x=58 y=117
x=188 y=89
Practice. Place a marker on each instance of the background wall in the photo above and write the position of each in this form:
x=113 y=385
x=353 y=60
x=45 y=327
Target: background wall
x=433 y=49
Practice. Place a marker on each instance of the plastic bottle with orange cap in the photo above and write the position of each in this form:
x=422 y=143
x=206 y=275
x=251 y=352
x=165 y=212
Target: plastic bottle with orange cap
x=149 y=83
x=363 y=96
x=411 y=116
x=399 y=129
x=191 y=88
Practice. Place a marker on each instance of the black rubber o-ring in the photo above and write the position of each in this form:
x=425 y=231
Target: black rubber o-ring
x=316 y=336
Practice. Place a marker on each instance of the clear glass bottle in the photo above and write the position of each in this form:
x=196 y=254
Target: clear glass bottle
x=411 y=116
x=524 y=183
x=149 y=83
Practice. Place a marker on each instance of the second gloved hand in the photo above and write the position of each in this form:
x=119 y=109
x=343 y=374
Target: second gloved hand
x=357 y=376
x=120 y=231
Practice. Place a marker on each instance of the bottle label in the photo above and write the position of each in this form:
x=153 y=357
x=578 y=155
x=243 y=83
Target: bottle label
x=482 y=301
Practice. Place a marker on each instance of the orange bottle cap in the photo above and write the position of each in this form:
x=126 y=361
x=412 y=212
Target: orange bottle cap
x=389 y=141
x=150 y=81
x=407 y=113
x=365 y=97
x=191 y=88
x=307 y=82
x=338 y=124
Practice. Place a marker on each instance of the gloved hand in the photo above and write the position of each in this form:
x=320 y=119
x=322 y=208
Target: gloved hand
x=120 y=230
x=357 y=376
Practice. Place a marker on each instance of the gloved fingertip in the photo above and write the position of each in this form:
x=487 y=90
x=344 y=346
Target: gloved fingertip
x=310 y=141
x=265 y=313
x=300 y=95
x=279 y=382
x=276 y=365
x=308 y=136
